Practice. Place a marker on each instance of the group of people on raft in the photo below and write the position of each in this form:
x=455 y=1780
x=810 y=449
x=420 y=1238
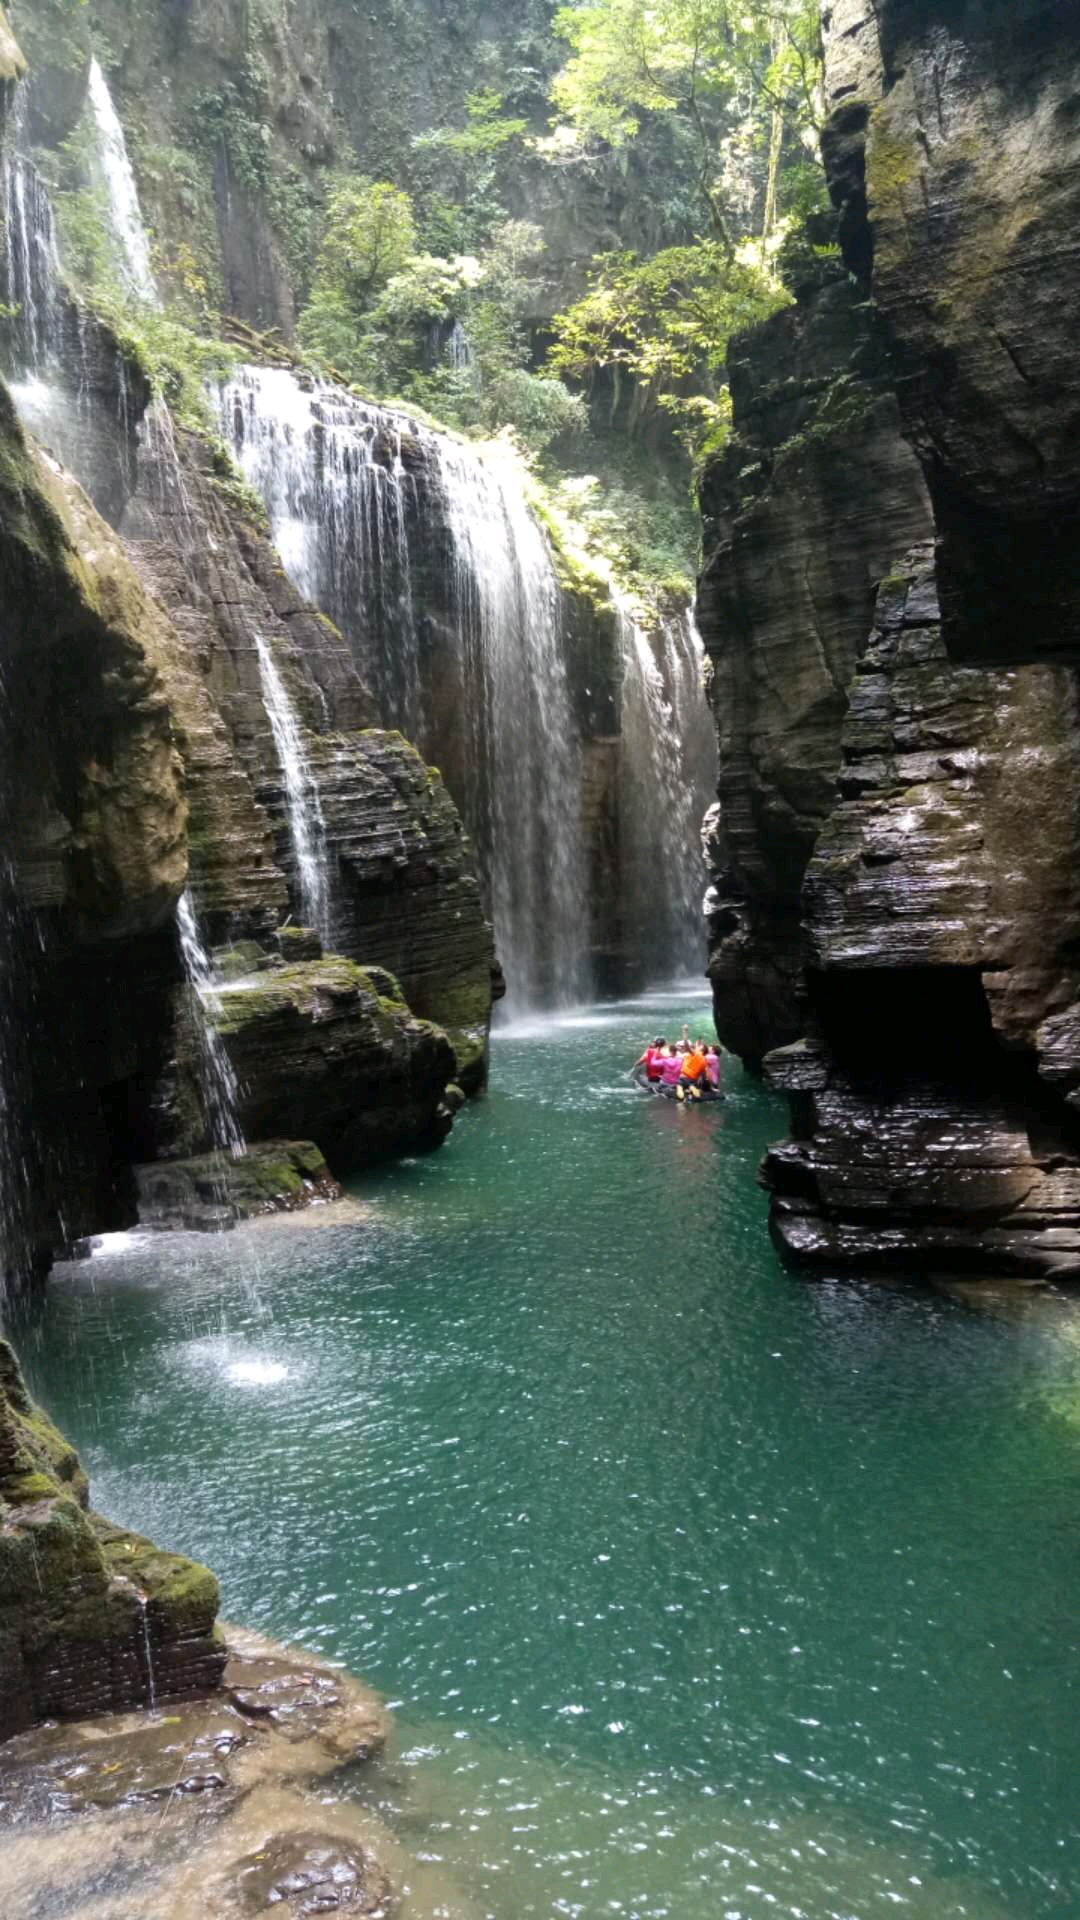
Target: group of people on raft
x=682 y=1069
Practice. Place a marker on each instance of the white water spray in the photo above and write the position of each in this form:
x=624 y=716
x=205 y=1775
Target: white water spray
x=148 y=1652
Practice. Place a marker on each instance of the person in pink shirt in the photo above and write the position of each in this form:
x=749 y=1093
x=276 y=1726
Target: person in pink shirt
x=715 y=1067
x=671 y=1067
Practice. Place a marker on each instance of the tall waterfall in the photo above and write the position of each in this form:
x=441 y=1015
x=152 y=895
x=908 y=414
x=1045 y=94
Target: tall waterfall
x=125 y=215
x=666 y=781
x=306 y=826
x=425 y=553
x=217 y=1082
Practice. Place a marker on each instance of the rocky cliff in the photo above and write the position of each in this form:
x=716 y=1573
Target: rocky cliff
x=930 y=943
x=815 y=494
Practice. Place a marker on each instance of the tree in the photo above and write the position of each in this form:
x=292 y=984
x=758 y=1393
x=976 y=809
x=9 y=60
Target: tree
x=369 y=232
x=667 y=321
x=751 y=66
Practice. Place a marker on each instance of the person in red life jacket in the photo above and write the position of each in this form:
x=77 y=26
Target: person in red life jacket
x=651 y=1061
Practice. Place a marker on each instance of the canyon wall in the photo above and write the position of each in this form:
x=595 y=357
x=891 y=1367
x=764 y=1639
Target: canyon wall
x=902 y=959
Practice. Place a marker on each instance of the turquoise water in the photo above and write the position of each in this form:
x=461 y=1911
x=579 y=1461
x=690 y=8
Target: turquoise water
x=701 y=1590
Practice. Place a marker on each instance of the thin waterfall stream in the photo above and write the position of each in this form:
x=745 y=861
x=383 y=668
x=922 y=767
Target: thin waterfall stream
x=217 y=1081
x=123 y=198
x=306 y=825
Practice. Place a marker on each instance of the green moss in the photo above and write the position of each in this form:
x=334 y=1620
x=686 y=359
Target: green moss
x=891 y=164
x=184 y=1596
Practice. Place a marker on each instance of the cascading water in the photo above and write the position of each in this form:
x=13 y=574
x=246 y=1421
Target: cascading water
x=217 y=1081
x=31 y=271
x=342 y=505
x=306 y=826
x=666 y=780
x=125 y=214
x=376 y=517
x=524 y=774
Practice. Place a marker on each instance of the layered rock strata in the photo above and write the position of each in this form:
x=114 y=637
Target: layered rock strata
x=948 y=864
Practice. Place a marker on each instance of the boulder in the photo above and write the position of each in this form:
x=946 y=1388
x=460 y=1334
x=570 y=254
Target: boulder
x=92 y=1618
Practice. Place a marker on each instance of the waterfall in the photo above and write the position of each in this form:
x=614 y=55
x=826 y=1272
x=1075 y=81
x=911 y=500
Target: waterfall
x=425 y=553
x=31 y=274
x=147 y=1650
x=307 y=828
x=343 y=508
x=124 y=211
x=666 y=781
x=219 y=1092
x=522 y=792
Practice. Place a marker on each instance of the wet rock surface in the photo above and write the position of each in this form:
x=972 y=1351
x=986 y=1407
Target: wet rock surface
x=204 y=1809
x=217 y=1190
x=310 y=1873
x=911 y=952
x=330 y=1048
x=955 y=149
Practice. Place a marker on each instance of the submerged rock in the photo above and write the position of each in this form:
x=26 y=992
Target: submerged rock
x=311 y=1873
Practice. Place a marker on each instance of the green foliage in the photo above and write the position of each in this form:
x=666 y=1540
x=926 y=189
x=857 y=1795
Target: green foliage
x=377 y=327
x=487 y=129
x=742 y=70
x=368 y=234
x=635 y=529
x=667 y=321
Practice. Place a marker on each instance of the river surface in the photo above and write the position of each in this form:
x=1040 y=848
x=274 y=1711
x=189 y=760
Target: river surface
x=701 y=1591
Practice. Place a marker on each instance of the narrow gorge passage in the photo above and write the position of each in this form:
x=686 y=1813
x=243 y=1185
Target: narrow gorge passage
x=695 y=1590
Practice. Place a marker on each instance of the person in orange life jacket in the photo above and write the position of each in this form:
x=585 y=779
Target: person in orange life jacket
x=651 y=1060
x=695 y=1071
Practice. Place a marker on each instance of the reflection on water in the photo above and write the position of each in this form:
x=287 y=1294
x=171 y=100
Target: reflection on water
x=699 y=1590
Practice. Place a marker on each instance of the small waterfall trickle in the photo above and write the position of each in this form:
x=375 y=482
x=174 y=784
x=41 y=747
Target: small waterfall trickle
x=426 y=555
x=147 y=1651
x=307 y=829
x=667 y=778
x=125 y=214
x=218 y=1090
